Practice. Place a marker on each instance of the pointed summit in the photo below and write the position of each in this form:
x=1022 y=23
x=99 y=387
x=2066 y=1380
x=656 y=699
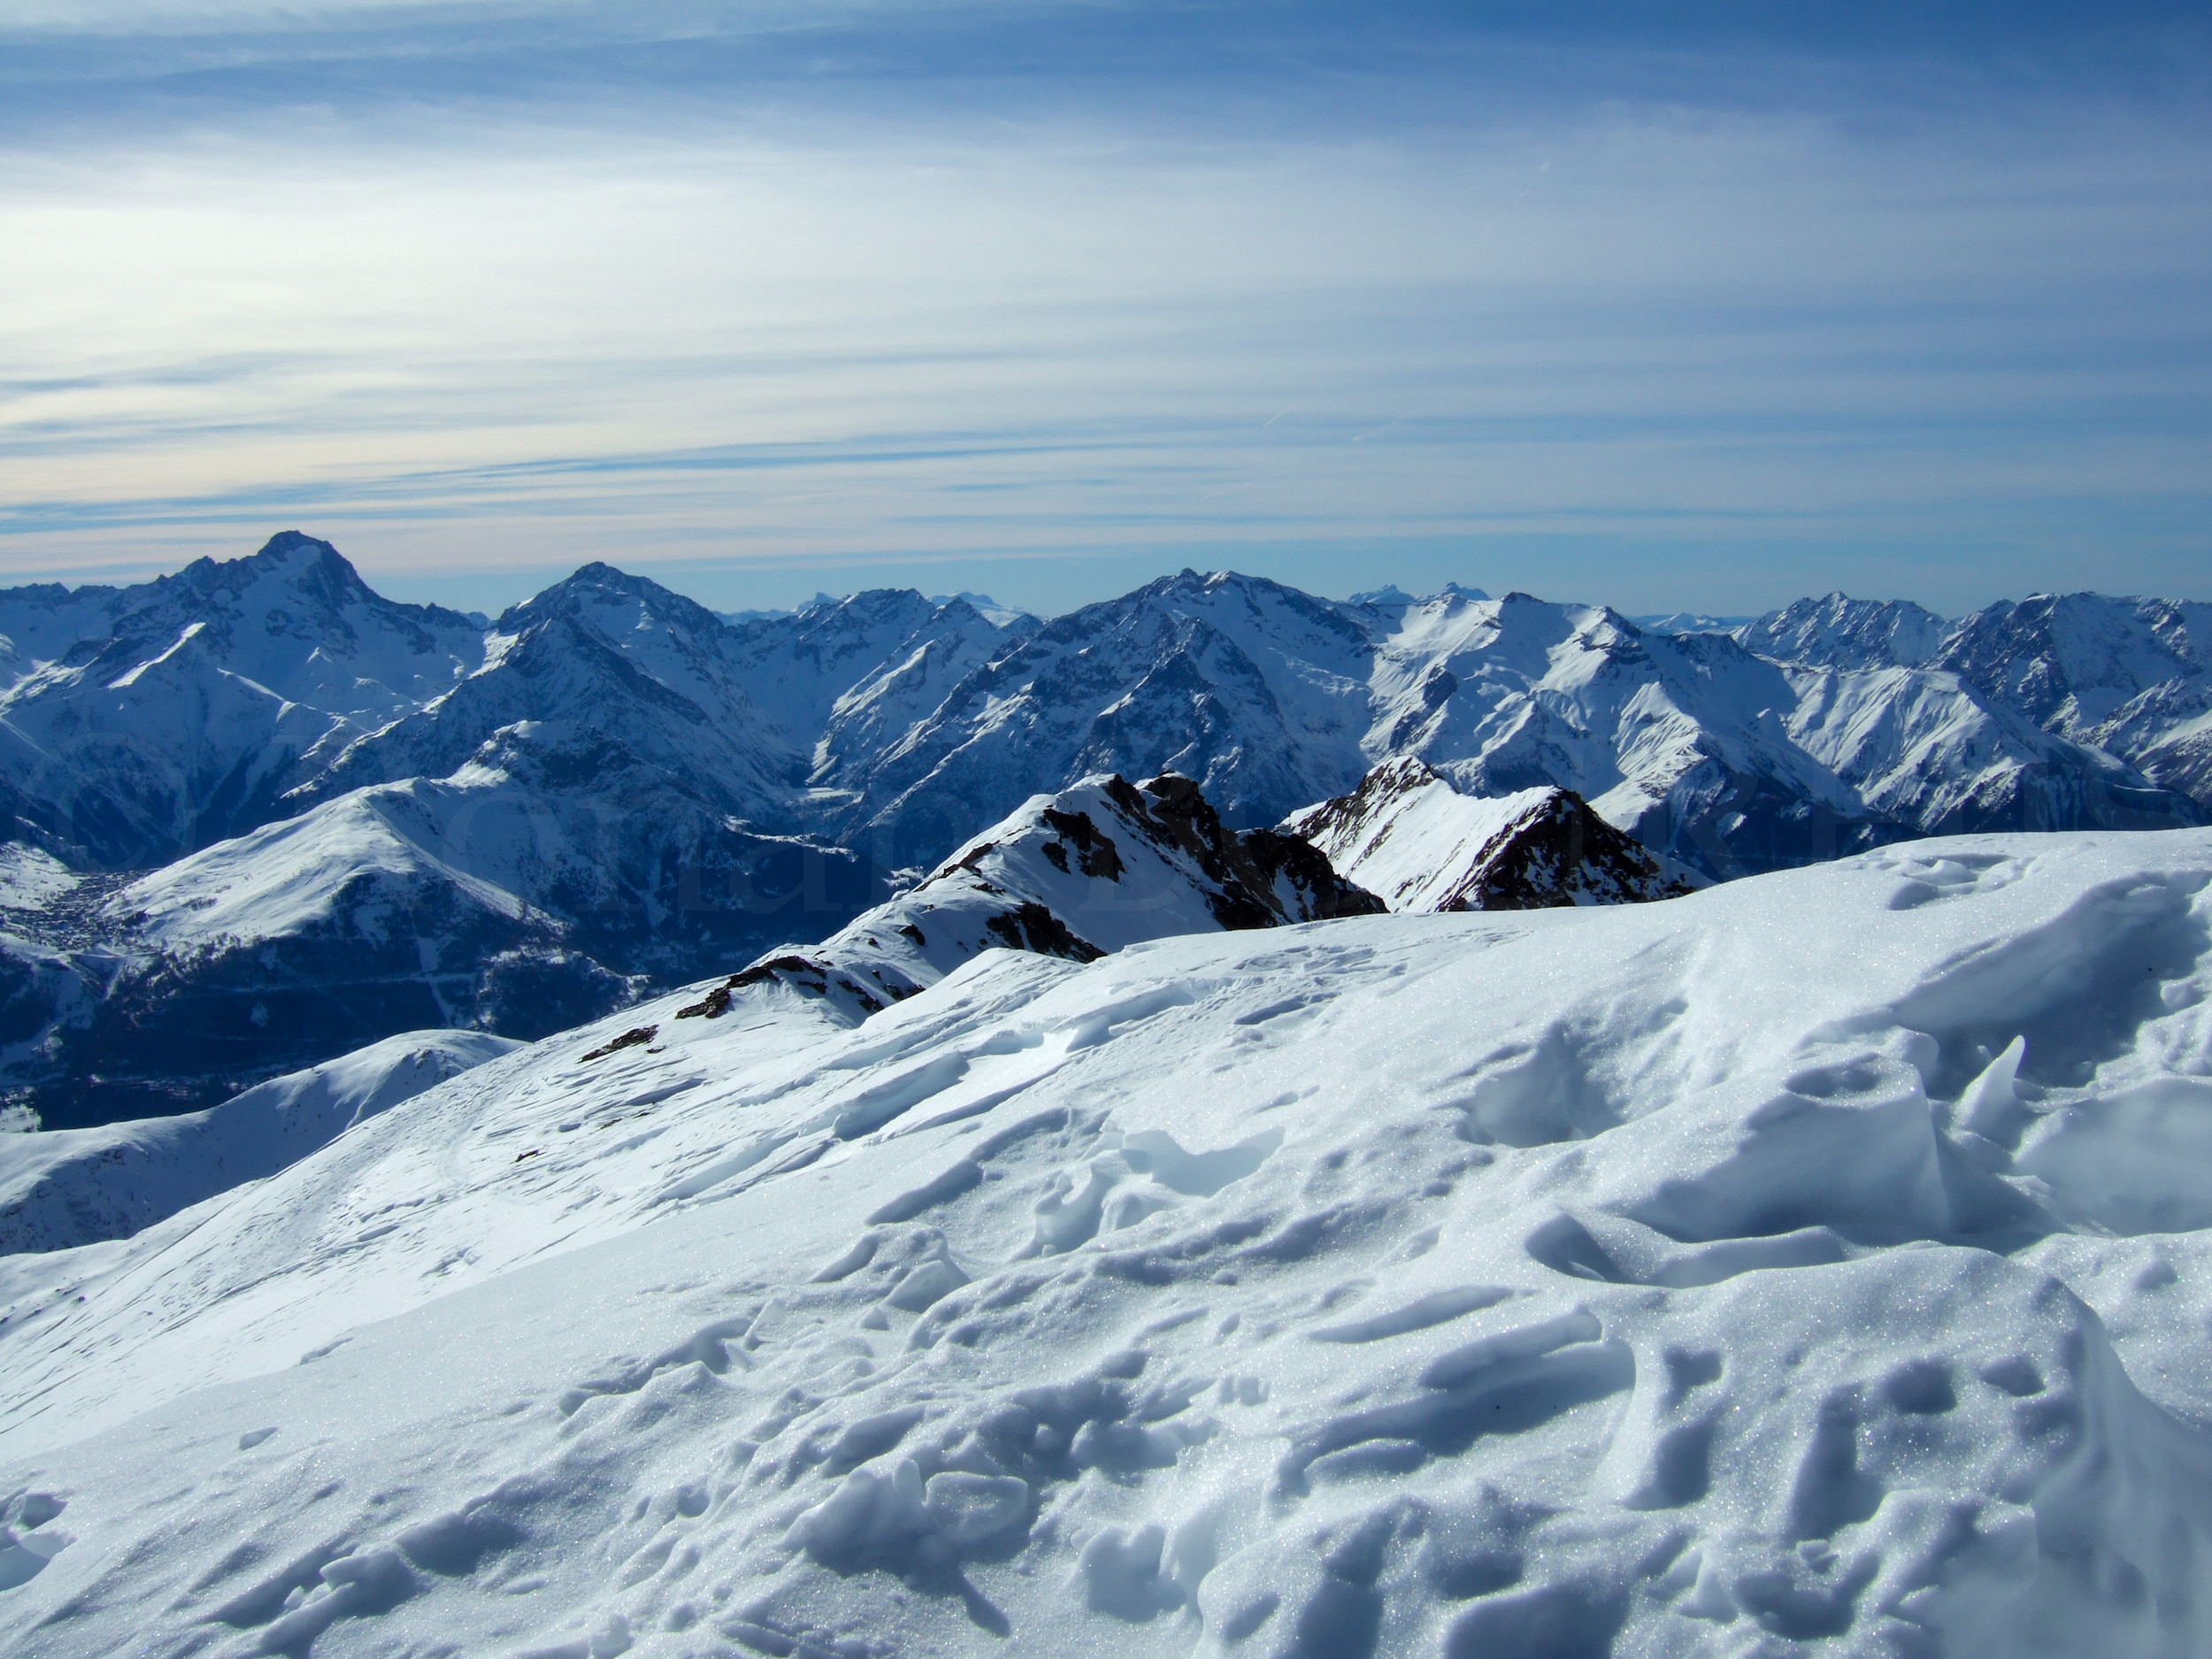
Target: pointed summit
x=285 y=543
x=599 y=587
x=305 y=567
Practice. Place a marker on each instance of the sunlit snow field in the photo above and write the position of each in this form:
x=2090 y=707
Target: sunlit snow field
x=1816 y=1264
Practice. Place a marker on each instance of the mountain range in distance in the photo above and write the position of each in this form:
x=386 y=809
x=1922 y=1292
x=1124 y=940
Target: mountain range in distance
x=261 y=816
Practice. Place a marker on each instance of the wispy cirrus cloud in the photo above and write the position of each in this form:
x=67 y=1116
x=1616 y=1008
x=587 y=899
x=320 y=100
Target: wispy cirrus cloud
x=1695 y=318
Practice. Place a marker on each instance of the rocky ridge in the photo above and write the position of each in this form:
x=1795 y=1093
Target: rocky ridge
x=1419 y=844
x=1091 y=869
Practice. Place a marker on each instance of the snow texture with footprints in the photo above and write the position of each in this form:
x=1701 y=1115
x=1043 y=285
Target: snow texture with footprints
x=1818 y=1265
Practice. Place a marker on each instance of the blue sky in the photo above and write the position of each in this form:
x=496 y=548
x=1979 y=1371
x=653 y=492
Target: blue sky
x=1668 y=306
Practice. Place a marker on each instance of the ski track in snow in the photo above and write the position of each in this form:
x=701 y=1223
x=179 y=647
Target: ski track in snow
x=1819 y=1264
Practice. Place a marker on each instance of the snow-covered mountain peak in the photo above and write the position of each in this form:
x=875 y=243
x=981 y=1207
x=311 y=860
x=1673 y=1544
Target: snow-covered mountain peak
x=1407 y=835
x=2072 y=661
x=1250 y=609
x=1689 y=622
x=305 y=566
x=147 y=721
x=1237 y=681
x=892 y=650
x=1838 y=631
x=297 y=587
x=298 y=617
x=607 y=625
x=1388 y=595
x=1391 y=596
x=1606 y=629
x=998 y=614
x=615 y=602
x=1090 y=869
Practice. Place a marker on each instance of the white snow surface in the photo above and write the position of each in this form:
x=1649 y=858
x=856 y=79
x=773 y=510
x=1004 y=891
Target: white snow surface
x=1813 y=1265
x=1420 y=852
x=330 y=867
x=73 y=1187
x=1088 y=870
x=31 y=878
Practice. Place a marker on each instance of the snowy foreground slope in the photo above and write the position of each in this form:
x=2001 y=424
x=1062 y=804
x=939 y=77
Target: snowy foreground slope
x=1816 y=1264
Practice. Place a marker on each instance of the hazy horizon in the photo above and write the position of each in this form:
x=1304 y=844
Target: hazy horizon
x=713 y=588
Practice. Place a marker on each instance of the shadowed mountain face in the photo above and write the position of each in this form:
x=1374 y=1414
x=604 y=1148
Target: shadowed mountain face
x=143 y=723
x=262 y=815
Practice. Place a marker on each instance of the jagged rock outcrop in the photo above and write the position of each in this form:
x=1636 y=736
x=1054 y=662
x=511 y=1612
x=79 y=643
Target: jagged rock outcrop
x=1406 y=835
x=1090 y=870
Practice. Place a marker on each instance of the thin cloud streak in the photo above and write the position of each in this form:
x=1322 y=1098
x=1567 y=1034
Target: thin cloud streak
x=481 y=331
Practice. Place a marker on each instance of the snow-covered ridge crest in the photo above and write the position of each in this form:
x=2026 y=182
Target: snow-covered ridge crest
x=1407 y=835
x=76 y=1186
x=1091 y=869
x=1841 y=631
x=1814 y=1265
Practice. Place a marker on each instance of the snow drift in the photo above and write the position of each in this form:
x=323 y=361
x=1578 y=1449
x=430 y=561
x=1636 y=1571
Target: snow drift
x=1811 y=1265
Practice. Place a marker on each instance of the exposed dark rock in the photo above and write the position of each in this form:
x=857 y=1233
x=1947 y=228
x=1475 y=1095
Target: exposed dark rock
x=1034 y=927
x=713 y=1005
x=793 y=971
x=1564 y=854
x=633 y=1038
x=1173 y=810
x=1094 y=849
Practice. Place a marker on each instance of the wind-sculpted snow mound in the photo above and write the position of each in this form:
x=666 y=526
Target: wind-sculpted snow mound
x=1811 y=1265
